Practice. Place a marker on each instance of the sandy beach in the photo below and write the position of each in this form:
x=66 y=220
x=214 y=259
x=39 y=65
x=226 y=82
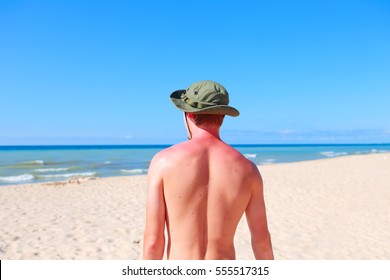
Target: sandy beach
x=335 y=208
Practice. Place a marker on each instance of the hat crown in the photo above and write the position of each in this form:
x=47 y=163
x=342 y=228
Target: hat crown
x=208 y=93
x=204 y=97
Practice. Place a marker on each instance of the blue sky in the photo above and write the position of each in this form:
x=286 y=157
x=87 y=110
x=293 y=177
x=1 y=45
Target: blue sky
x=100 y=72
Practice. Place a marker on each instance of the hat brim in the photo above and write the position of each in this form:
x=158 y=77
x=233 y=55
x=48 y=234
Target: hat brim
x=215 y=110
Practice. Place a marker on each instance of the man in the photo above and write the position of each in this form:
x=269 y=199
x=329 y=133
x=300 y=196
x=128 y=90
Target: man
x=201 y=188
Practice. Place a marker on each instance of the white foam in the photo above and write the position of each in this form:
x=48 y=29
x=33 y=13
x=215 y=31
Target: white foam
x=17 y=179
x=51 y=169
x=68 y=175
x=40 y=162
x=268 y=161
x=134 y=171
x=107 y=162
x=250 y=155
x=333 y=154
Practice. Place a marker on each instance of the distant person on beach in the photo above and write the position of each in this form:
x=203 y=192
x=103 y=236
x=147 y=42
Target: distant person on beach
x=201 y=188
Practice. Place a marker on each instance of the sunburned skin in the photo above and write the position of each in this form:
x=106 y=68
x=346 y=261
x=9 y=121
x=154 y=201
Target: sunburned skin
x=200 y=189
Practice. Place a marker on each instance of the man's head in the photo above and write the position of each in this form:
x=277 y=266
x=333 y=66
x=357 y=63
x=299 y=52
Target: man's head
x=204 y=97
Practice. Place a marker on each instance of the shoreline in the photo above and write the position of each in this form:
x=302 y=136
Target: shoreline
x=42 y=164
x=333 y=208
x=81 y=179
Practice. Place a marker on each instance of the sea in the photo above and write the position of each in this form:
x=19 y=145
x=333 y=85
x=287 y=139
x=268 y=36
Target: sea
x=31 y=164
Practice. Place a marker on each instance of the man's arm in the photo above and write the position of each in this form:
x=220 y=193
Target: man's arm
x=257 y=220
x=154 y=239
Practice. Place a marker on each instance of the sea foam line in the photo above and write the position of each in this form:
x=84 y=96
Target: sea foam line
x=18 y=178
x=268 y=161
x=29 y=163
x=134 y=171
x=250 y=155
x=42 y=170
x=68 y=175
x=333 y=154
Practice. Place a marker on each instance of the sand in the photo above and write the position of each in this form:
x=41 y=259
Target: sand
x=336 y=208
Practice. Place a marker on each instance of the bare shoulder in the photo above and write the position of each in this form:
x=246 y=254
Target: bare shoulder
x=248 y=169
x=165 y=156
x=254 y=177
x=247 y=166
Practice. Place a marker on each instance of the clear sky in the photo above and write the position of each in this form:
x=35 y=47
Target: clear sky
x=100 y=72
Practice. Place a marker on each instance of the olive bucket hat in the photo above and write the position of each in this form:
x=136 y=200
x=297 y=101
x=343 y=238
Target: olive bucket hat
x=204 y=97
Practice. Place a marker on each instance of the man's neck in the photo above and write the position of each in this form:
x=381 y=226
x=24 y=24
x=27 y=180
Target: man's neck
x=205 y=132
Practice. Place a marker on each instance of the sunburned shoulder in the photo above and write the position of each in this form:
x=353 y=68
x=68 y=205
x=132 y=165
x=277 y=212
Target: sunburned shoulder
x=224 y=152
x=246 y=164
x=230 y=155
x=168 y=153
x=246 y=168
x=234 y=154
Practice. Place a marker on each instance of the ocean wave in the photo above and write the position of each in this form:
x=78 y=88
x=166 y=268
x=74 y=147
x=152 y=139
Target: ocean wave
x=134 y=171
x=372 y=151
x=333 y=154
x=250 y=155
x=29 y=163
x=35 y=162
x=67 y=175
x=18 y=178
x=42 y=170
x=268 y=161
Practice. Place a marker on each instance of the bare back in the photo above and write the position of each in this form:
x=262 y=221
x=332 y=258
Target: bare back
x=198 y=190
x=207 y=187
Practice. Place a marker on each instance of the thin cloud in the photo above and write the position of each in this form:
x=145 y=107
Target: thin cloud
x=287 y=131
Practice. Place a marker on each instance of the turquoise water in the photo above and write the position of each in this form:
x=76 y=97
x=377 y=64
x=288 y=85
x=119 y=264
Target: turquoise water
x=29 y=164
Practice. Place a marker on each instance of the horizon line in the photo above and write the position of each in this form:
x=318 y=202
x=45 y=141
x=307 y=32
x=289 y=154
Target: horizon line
x=167 y=145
